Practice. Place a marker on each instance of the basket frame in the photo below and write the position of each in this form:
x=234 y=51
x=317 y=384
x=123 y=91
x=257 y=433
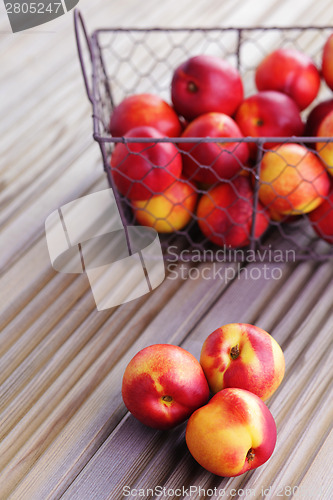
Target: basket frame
x=106 y=141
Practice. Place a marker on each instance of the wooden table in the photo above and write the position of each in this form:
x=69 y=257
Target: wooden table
x=65 y=431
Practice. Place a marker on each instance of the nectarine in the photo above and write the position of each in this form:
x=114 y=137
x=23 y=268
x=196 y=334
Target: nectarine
x=322 y=219
x=141 y=170
x=244 y=356
x=327 y=62
x=269 y=113
x=325 y=149
x=144 y=109
x=170 y=211
x=292 y=72
x=163 y=384
x=206 y=83
x=232 y=434
x=210 y=162
x=293 y=180
x=225 y=213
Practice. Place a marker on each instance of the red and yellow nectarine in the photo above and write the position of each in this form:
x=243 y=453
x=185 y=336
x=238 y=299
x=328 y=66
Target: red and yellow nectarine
x=322 y=219
x=211 y=162
x=141 y=170
x=327 y=62
x=292 y=72
x=225 y=213
x=144 y=109
x=206 y=83
x=243 y=356
x=325 y=149
x=163 y=385
x=269 y=113
x=170 y=211
x=293 y=180
x=234 y=433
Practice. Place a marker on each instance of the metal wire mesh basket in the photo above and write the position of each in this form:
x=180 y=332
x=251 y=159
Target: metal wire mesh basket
x=121 y=62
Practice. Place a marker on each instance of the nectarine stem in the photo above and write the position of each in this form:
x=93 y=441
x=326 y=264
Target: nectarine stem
x=250 y=455
x=234 y=352
x=167 y=399
x=192 y=87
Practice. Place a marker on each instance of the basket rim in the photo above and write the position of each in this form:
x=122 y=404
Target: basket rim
x=195 y=140
x=209 y=28
x=106 y=138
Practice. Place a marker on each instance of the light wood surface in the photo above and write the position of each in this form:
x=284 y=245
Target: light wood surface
x=64 y=430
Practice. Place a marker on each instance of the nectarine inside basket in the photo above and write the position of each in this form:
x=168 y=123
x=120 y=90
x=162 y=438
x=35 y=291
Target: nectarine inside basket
x=219 y=138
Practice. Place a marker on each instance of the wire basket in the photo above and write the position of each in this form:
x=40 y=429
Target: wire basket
x=121 y=62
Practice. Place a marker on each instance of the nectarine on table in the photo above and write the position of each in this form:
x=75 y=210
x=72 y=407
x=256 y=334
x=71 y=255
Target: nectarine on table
x=244 y=356
x=163 y=385
x=232 y=434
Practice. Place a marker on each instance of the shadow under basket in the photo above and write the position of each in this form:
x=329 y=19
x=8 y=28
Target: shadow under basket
x=118 y=62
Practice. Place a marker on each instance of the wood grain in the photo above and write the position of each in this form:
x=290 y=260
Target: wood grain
x=64 y=430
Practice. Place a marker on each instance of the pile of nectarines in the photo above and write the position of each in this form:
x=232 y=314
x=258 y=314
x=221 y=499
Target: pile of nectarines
x=200 y=157
x=241 y=366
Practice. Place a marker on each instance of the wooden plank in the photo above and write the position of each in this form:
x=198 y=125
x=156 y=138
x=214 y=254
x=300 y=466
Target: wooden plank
x=103 y=408
x=22 y=282
x=95 y=419
x=167 y=456
x=307 y=421
x=32 y=344
x=61 y=413
x=47 y=160
x=292 y=288
x=16 y=363
x=317 y=479
x=17 y=237
x=70 y=361
x=306 y=377
x=165 y=462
